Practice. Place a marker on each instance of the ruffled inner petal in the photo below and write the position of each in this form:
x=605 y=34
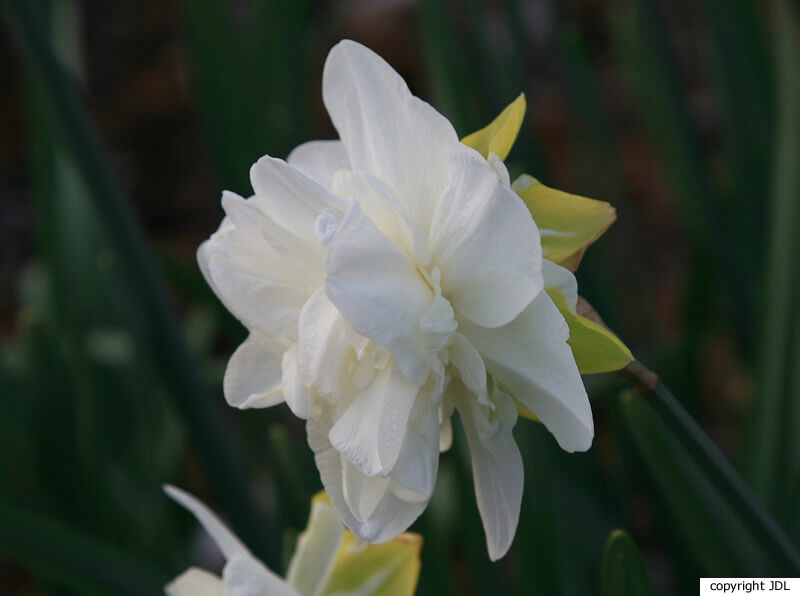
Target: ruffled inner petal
x=320 y=160
x=371 y=430
x=485 y=243
x=391 y=516
x=377 y=288
x=292 y=199
x=530 y=357
x=253 y=375
x=323 y=346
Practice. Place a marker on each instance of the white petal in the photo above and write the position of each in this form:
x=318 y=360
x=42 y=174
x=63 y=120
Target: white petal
x=391 y=516
x=250 y=216
x=386 y=130
x=414 y=476
x=381 y=206
x=362 y=493
x=379 y=291
x=531 y=358
x=371 y=431
x=320 y=160
x=253 y=253
x=330 y=464
x=244 y=575
x=211 y=246
x=296 y=393
x=195 y=582
x=253 y=376
x=316 y=549
x=262 y=287
x=561 y=278
x=290 y=197
x=484 y=241
x=496 y=467
x=227 y=542
x=446 y=409
x=470 y=366
x=445 y=435
x=323 y=345
x=259 y=303
x=500 y=169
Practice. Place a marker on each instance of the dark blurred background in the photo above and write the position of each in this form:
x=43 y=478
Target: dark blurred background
x=684 y=115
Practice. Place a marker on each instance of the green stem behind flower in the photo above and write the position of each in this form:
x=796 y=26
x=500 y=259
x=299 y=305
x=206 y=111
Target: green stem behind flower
x=705 y=453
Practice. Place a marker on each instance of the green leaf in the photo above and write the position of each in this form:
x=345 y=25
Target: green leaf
x=157 y=330
x=220 y=77
x=742 y=72
x=71 y=559
x=450 y=72
x=775 y=440
x=650 y=66
x=623 y=572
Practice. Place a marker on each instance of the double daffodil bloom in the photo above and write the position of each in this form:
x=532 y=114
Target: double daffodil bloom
x=328 y=560
x=391 y=278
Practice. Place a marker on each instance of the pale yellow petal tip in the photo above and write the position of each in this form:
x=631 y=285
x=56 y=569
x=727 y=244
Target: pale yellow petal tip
x=526 y=413
x=321 y=498
x=410 y=539
x=499 y=136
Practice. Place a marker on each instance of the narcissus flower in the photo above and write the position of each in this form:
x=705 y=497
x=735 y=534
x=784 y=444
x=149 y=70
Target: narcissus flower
x=393 y=277
x=328 y=560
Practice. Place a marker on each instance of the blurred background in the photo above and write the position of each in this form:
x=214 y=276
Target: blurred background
x=684 y=114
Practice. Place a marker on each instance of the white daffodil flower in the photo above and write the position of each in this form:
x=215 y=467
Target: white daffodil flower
x=328 y=561
x=388 y=279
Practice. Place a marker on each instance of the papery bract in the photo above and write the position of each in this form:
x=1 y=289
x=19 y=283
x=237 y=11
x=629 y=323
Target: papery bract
x=388 y=279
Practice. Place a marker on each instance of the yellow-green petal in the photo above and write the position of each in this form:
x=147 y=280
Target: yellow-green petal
x=499 y=136
x=594 y=347
x=568 y=223
x=389 y=569
x=316 y=546
x=331 y=560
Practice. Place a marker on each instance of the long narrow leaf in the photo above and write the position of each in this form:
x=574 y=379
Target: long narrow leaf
x=775 y=434
x=452 y=79
x=159 y=330
x=650 y=65
x=221 y=79
x=71 y=559
x=624 y=572
x=744 y=75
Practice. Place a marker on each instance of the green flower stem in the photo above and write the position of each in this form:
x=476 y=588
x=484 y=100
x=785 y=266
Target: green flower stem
x=159 y=331
x=739 y=495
